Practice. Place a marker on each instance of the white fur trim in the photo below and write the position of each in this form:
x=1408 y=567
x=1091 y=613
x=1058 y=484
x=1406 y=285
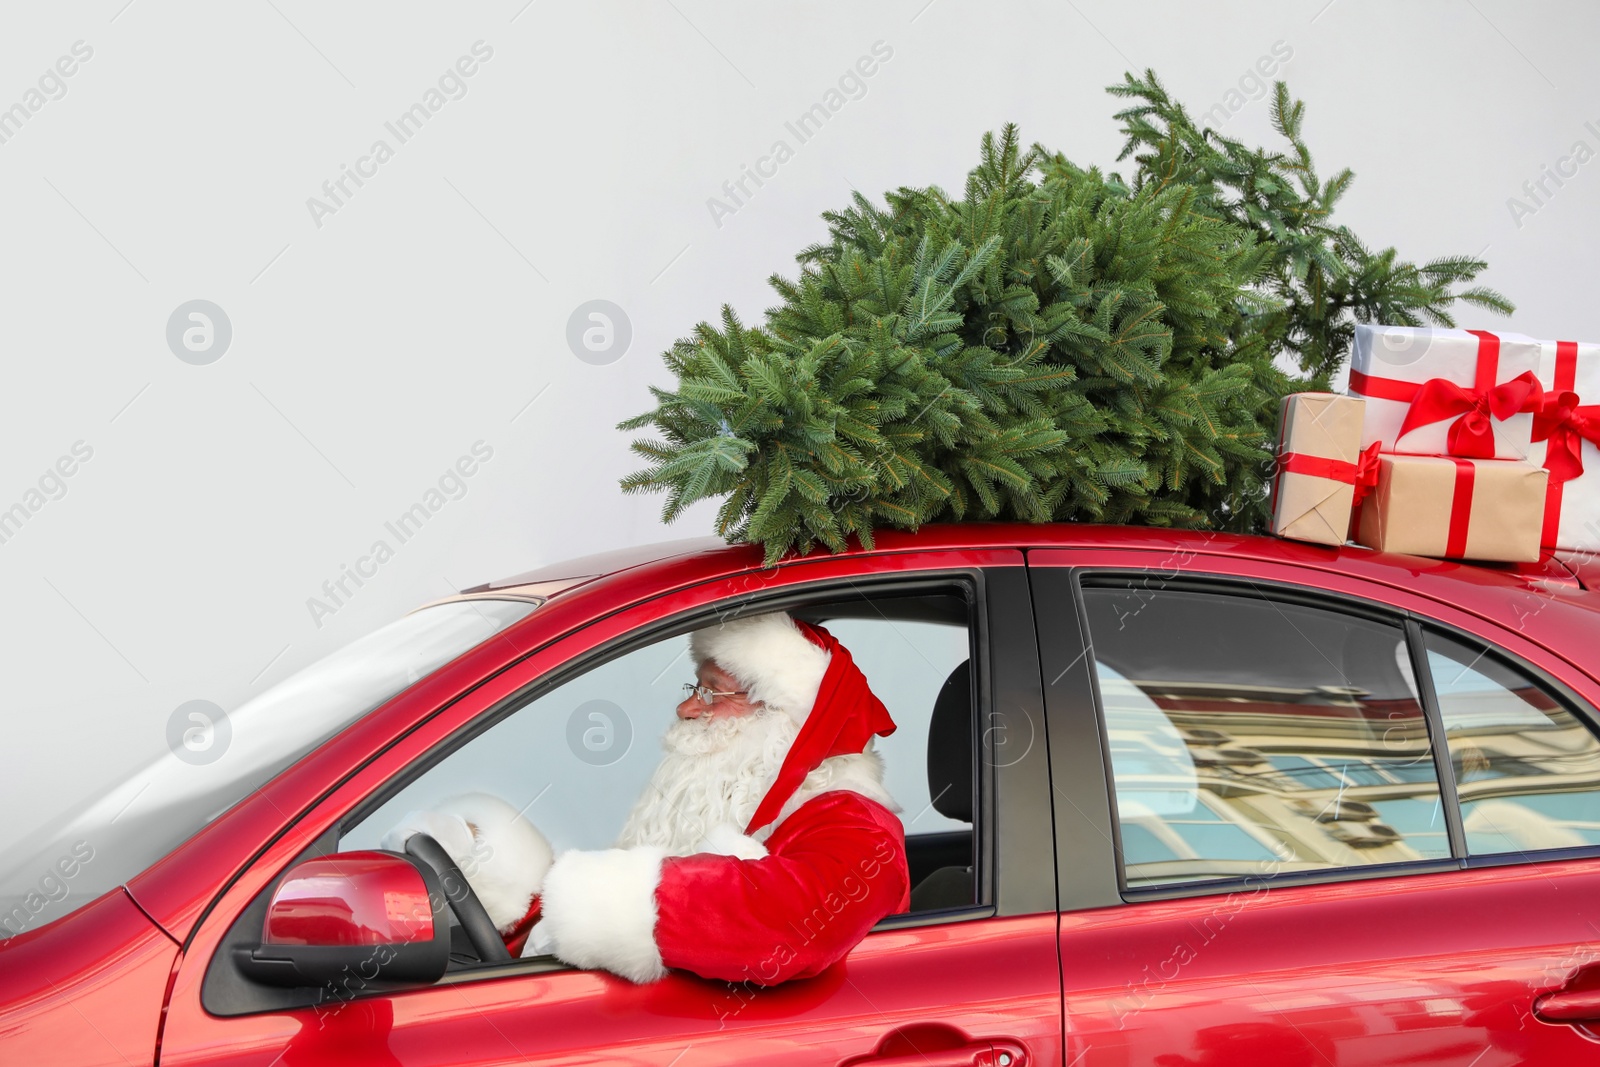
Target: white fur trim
x=509 y=856
x=599 y=910
x=860 y=772
x=724 y=839
x=769 y=656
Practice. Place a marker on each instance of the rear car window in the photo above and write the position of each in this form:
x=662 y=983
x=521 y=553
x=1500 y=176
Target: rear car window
x=1251 y=737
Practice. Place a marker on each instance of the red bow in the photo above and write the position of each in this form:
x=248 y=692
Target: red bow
x=843 y=718
x=1363 y=473
x=1566 y=426
x=1472 y=434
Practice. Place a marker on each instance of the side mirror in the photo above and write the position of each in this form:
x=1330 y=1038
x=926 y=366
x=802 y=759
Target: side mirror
x=352 y=919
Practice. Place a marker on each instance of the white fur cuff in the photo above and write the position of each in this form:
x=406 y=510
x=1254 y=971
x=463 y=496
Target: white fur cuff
x=598 y=909
x=509 y=856
x=726 y=840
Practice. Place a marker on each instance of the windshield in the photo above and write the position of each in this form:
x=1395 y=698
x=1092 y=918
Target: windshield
x=116 y=834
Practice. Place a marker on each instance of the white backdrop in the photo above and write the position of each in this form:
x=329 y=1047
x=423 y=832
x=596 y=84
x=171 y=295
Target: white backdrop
x=560 y=154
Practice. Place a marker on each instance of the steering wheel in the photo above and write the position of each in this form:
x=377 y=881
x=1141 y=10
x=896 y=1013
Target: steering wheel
x=469 y=910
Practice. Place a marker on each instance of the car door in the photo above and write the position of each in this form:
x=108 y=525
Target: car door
x=1330 y=822
x=969 y=976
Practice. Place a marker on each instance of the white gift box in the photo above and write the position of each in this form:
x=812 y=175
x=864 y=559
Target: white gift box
x=1464 y=372
x=1572 y=508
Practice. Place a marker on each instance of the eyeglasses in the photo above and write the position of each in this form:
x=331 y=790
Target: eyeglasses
x=706 y=693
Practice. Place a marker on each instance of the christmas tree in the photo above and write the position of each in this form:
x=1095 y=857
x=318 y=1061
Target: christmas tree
x=1057 y=344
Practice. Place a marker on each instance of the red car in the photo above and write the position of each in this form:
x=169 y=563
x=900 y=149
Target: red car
x=1169 y=798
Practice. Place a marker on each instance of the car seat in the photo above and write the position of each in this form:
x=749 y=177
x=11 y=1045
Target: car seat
x=950 y=766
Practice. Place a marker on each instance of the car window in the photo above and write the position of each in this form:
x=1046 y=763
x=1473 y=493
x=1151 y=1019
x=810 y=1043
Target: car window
x=576 y=758
x=1527 y=769
x=1249 y=737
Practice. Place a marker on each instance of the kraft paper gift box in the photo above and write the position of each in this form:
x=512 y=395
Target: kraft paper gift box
x=1566 y=442
x=1452 y=508
x=1321 y=472
x=1435 y=392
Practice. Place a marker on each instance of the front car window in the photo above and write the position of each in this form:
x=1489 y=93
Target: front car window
x=109 y=839
x=575 y=758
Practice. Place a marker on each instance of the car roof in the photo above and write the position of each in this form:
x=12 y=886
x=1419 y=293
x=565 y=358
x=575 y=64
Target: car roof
x=1400 y=569
x=1545 y=602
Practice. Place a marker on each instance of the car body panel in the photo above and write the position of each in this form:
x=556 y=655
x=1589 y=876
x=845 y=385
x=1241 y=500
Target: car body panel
x=1421 y=969
x=999 y=978
x=87 y=989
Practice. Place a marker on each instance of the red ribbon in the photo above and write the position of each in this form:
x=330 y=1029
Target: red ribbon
x=1455 y=542
x=1363 y=473
x=1565 y=426
x=1437 y=399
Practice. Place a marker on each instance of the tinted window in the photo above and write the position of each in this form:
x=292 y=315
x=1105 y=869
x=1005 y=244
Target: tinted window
x=1254 y=737
x=1527 y=770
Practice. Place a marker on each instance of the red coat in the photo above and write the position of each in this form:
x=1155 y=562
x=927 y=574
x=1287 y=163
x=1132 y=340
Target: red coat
x=833 y=869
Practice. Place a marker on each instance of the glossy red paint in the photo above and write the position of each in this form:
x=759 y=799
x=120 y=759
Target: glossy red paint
x=354 y=898
x=1004 y=970
x=93 y=986
x=1425 y=970
x=87 y=989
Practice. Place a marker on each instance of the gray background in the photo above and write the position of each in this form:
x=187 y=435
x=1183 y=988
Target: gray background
x=431 y=310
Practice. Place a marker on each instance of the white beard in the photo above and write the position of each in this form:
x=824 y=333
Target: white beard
x=716 y=770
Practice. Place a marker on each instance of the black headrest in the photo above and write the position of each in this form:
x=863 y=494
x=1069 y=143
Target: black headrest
x=950 y=746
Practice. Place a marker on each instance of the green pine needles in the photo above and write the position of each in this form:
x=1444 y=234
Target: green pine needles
x=1057 y=344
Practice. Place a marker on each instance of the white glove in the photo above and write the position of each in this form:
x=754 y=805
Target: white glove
x=451 y=831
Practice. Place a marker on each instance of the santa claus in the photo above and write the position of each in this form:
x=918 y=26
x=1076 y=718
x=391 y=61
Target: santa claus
x=763 y=847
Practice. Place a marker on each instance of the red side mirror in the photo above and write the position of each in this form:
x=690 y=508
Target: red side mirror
x=353 y=917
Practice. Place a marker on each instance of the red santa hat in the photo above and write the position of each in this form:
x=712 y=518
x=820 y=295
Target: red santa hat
x=802 y=670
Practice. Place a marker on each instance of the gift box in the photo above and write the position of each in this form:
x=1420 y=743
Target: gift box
x=1320 y=473
x=1566 y=442
x=1434 y=392
x=1485 y=509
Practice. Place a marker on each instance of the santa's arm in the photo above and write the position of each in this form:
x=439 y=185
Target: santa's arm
x=836 y=867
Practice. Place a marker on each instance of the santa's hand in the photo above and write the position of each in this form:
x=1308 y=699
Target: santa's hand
x=724 y=839
x=451 y=831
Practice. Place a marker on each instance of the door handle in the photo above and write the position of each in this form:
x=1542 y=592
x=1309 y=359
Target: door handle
x=1569 y=1006
x=977 y=1054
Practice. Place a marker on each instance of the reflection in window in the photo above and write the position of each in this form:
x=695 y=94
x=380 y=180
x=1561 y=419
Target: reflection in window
x=1527 y=770
x=1249 y=737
